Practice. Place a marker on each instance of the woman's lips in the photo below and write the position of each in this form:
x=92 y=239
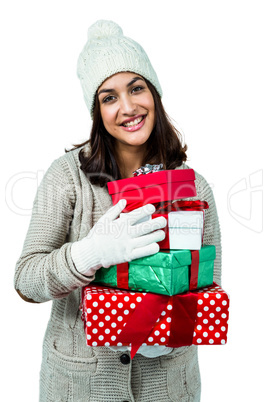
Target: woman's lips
x=136 y=127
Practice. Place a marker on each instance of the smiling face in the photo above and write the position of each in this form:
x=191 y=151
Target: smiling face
x=127 y=110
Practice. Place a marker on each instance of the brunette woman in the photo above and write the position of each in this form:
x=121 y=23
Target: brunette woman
x=75 y=230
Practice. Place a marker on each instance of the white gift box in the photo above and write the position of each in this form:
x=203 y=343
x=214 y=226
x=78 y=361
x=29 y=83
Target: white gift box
x=184 y=231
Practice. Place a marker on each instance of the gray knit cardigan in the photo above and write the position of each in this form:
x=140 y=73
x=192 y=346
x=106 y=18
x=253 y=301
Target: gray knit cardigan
x=65 y=208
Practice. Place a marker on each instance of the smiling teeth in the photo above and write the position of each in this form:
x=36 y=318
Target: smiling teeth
x=133 y=123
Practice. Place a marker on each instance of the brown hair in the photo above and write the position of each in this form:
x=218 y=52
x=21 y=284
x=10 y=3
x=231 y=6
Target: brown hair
x=163 y=146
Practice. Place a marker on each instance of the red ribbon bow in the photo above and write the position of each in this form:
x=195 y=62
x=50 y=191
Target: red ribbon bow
x=140 y=324
x=168 y=206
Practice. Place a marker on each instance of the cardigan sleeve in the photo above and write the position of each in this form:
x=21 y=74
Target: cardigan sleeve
x=45 y=269
x=212 y=233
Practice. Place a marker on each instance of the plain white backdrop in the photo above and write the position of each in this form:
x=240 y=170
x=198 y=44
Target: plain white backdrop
x=211 y=60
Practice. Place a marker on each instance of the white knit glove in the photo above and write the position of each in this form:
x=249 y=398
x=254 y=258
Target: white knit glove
x=113 y=241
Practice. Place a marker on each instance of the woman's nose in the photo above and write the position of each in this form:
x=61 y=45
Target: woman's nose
x=127 y=105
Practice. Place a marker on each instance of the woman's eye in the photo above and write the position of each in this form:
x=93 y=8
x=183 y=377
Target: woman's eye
x=137 y=89
x=108 y=99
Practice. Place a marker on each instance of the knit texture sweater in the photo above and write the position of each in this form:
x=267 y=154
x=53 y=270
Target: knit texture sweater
x=65 y=208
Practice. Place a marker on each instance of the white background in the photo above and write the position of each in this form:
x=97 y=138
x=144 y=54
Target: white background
x=211 y=59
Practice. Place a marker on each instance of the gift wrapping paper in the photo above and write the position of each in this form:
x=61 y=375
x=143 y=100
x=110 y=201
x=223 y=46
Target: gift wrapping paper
x=153 y=188
x=167 y=272
x=184 y=230
x=114 y=317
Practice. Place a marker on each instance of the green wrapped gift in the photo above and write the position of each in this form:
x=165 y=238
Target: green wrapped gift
x=167 y=272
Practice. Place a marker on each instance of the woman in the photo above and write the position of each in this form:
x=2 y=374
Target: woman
x=73 y=226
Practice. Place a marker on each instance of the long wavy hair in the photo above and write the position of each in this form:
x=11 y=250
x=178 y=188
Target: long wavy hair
x=98 y=157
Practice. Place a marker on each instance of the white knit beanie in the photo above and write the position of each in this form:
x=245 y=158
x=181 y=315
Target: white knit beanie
x=108 y=52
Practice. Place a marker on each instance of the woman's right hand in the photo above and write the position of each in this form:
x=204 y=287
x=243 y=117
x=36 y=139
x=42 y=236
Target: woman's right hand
x=116 y=240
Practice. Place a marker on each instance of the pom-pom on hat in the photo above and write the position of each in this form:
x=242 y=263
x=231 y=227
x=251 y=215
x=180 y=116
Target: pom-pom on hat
x=108 y=52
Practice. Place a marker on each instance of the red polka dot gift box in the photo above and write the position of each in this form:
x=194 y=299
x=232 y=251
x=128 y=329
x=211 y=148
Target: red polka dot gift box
x=115 y=317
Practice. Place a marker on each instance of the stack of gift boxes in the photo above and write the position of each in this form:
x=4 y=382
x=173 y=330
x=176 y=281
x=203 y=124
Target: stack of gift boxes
x=168 y=298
